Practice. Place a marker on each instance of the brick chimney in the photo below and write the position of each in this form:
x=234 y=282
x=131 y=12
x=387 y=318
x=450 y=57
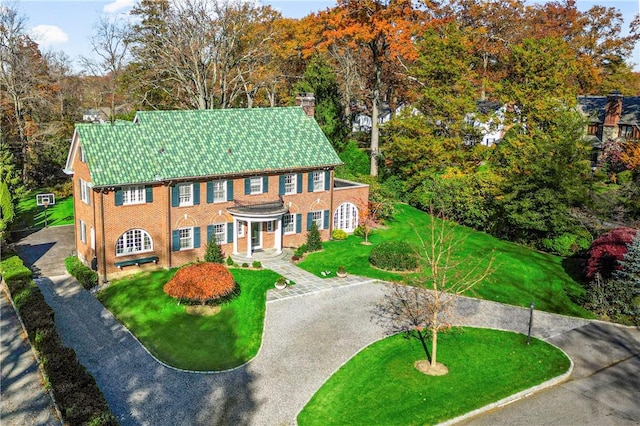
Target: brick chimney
x=308 y=103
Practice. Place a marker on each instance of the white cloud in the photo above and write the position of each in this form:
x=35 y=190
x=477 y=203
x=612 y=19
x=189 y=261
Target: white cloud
x=48 y=35
x=118 y=5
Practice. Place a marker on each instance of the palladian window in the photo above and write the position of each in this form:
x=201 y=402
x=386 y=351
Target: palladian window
x=134 y=241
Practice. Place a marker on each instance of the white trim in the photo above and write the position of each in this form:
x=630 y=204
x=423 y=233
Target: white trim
x=223 y=198
x=188 y=202
x=318 y=181
x=223 y=234
x=292 y=223
x=251 y=185
x=125 y=237
x=137 y=193
x=190 y=238
x=294 y=182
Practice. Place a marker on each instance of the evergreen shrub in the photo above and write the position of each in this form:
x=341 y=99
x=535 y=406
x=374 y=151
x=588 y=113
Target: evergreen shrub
x=394 y=256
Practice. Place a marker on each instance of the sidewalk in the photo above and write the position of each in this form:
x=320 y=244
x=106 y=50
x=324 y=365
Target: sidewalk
x=23 y=399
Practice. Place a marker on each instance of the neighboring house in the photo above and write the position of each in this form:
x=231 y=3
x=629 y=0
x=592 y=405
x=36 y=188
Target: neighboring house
x=94 y=116
x=612 y=119
x=489 y=121
x=154 y=191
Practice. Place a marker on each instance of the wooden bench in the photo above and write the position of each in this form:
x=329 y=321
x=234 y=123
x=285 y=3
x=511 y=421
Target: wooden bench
x=137 y=262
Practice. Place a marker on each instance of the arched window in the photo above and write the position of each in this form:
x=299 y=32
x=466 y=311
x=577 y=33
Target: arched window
x=134 y=241
x=346 y=217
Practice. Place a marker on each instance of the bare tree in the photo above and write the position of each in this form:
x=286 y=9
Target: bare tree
x=205 y=50
x=110 y=44
x=427 y=307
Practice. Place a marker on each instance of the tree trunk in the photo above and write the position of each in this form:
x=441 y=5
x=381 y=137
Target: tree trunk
x=434 y=338
x=375 y=131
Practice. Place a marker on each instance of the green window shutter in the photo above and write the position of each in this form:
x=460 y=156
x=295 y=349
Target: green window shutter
x=209 y=194
x=281 y=185
x=176 y=240
x=148 y=193
x=196 y=193
x=230 y=232
x=327 y=180
x=309 y=220
x=247 y=186
x=196 y=237
x=230 y=190
x=299 y=185
x=310 y=182
x=118 y=196
x=175 y=196
x=265 y=184
x=209 y=233
x=325 y=221
x=298 y=223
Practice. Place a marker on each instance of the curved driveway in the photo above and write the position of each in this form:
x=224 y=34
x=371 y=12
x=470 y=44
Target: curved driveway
x=307 y=338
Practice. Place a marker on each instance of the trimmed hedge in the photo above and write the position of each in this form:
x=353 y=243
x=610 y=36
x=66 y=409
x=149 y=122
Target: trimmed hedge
x=87 y=277
x=80 y=400
x=394 y=256
x=338 y=234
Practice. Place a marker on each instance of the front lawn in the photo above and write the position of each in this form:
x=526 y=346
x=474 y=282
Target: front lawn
x=29 y=215
x=226 y=340
x=522 y=275
x=380 y=385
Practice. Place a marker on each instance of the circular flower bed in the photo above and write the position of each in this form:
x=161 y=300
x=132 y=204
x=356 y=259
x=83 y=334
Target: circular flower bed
x=201 y=283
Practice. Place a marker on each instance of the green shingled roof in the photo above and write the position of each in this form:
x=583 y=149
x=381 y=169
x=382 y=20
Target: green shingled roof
x=184 y=144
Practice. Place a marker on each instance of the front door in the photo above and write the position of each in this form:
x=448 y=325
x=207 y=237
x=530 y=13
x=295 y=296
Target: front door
x=256 y=235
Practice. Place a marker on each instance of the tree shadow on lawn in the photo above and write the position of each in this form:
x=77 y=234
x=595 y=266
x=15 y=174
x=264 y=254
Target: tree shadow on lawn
x=140 y=390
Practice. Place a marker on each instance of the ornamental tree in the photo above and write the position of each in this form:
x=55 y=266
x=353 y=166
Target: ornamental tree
x=201 y=282
x=607 y=250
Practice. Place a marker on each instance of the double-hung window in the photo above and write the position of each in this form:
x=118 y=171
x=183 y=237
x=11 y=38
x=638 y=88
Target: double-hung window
x=316 y=217
x=186 y=238
x=85 y=191
x=133 y=195
x=220 y=233
x=255 y=185
x=271 y=226
x=318 y=181
x=219 y=191
x=289 y=224
x=185 y=194
x=83 y=232
x=290 y=184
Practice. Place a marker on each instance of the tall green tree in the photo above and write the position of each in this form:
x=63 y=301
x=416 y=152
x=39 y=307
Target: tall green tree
x=320 y=79
x=10 y=188
x=544 y=171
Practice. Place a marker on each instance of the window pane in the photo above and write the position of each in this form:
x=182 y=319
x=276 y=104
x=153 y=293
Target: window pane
x=290 y=184
x=288 y=223
x=219 y=191
x=186 y=241
x=318 y=181
x=256 y=185
x=185 y=194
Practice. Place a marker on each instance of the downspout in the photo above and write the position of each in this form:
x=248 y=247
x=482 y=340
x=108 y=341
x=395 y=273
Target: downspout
x=94 y=248
x=104 y=244
x=331 y=187
x=169 y=235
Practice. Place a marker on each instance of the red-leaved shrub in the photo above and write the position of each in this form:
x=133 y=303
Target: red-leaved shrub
x=201 y=282
x=607 y=250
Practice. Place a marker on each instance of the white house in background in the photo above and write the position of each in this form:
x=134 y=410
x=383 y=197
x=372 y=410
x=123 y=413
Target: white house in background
x=490 y=122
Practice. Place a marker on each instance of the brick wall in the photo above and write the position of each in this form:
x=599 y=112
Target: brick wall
x=159 y=219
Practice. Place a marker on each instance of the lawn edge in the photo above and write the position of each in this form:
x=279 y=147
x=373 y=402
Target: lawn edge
x=492 y=406
x=182 y=370
x=516 y=396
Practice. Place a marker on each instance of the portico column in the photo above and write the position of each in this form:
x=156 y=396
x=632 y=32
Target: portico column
x=279 y=235
x=235 y=236
x=249 y=237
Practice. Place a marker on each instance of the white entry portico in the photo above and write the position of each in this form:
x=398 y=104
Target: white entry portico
x=254 y=217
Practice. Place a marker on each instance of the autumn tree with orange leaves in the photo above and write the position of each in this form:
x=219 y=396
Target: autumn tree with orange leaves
x=385 y=31
x=201 y=283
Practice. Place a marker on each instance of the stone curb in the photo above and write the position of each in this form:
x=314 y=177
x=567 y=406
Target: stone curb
x=43 y=375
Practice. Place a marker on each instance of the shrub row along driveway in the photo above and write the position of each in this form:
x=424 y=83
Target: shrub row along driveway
x=306 y=339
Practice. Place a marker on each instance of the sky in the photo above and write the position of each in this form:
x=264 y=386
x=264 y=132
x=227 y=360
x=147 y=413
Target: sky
x=67 y=25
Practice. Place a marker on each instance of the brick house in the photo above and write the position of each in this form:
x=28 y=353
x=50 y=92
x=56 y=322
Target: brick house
x=151 y=193
x=612 y=119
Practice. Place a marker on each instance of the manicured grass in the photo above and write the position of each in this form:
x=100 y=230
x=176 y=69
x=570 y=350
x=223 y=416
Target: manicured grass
x=190 y=342
x=381 y=386
x=29 y=215
x=521 y=276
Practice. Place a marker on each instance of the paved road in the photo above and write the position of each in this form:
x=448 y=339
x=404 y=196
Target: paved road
x=23 y=400
x=307 y=338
